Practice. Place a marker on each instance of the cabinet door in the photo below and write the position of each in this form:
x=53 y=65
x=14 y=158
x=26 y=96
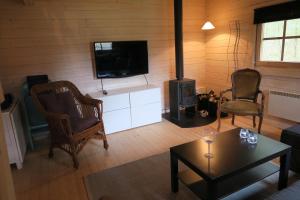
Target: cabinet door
x=144 y=97
x=117 y=120
x=115 y=102
x=146 y=114
x=19 y=132
x=9 y=138
x=7 y=190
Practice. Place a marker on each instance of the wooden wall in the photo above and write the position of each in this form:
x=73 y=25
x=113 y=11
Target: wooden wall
x=219 y=64
x=54 y=37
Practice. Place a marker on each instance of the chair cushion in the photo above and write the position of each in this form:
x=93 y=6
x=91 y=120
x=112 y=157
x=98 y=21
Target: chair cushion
x=59 y=103
x=66 y=99
x=50 y=103
x=241 y=107
x=81 y=124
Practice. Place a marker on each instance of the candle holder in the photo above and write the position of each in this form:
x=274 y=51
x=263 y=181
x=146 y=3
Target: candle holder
x=209 y=139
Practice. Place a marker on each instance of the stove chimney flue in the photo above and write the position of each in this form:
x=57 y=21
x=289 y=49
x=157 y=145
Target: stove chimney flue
x=178 y=39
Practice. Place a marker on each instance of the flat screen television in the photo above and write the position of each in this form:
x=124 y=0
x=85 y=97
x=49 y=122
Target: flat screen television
x=119 y=59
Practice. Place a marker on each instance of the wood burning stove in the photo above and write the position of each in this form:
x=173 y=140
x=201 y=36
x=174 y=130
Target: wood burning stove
x=182 y=94
x=182 y=91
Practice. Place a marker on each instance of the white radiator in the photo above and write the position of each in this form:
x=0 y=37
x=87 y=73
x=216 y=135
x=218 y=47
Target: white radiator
x=284 y=105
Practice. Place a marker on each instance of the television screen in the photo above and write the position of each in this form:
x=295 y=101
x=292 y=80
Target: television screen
x=121 y=58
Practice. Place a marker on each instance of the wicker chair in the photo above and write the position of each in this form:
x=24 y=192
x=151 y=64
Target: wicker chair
x=245 y=90
x=73 y=118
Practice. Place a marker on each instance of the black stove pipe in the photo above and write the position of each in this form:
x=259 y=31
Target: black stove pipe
x=178 y=38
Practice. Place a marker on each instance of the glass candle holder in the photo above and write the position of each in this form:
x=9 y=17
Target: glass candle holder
x=209 y=139
x=244 y=133
x=252 y=138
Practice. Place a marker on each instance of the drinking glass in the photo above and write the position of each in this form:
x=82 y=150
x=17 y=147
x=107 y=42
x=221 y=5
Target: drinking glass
x=244 y=133
x=252 y=138
x=209 y=139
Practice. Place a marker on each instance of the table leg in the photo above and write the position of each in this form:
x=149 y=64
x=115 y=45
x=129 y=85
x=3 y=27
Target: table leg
x=211 y=190
x=174 y=172
x=284 y=170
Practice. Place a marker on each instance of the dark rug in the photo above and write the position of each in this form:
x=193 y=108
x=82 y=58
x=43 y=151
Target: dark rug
x=149 y=178
x=190 y=120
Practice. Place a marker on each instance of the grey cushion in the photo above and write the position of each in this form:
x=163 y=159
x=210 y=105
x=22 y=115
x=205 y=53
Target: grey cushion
x=241 y=107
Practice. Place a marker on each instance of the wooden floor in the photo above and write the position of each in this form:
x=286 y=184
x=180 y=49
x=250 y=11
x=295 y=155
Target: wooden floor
x=55 y=179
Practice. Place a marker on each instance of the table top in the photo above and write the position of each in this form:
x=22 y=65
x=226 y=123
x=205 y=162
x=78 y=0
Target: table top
x=99 y=94
x=231 y=154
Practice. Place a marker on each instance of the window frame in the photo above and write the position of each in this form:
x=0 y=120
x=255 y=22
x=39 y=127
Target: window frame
x=281 y=63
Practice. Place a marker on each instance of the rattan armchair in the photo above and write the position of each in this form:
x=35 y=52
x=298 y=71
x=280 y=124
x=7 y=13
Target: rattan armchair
x=245 y=91
x=72 y=117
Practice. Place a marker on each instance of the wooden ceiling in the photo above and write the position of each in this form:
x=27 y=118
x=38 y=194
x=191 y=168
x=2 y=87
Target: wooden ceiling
x=28 y=2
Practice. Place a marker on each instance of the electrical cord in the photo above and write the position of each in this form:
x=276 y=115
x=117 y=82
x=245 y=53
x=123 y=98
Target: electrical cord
x=103 y=91
x=146 y=79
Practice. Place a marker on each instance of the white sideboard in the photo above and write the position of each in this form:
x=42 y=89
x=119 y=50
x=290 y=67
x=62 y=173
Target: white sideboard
x=130 y=107
x=14 y=134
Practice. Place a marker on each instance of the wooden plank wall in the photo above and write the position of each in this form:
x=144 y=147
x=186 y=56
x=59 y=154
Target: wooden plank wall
x=219 y=66
x=54 y=37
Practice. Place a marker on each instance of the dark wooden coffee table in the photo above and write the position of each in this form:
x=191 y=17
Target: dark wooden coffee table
x=235 y=164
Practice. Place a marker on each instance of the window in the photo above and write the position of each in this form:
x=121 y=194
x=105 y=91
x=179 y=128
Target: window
x=280 y=41
x=103 y=46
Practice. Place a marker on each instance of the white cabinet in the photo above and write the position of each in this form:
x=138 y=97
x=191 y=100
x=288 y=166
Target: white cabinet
x=130 y=107
x=117 y=120
x=115 y=102
x=14 y=134
x=145 y=107
x=145 y=114
x=144 y=97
